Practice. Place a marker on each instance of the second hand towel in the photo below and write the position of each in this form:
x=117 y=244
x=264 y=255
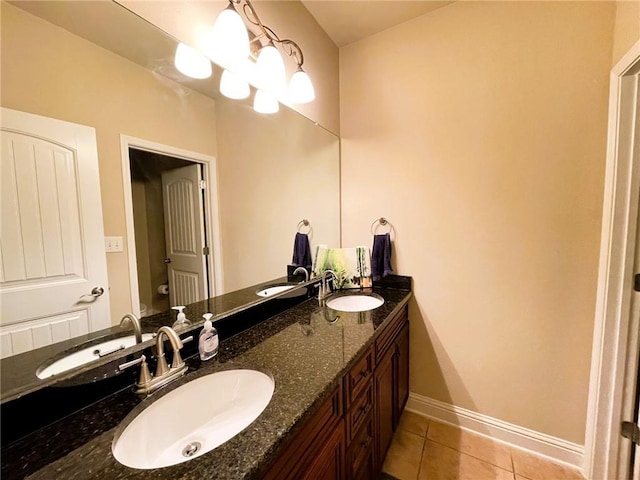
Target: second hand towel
x=301 y=251
x=381 y=256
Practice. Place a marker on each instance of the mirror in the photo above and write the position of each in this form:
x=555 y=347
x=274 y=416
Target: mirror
x=271 y=172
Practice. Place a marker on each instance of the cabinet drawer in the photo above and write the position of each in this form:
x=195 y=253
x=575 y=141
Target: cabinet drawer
x=358 y=377
x=360 y=452
x=359 y=410
x=388 y=335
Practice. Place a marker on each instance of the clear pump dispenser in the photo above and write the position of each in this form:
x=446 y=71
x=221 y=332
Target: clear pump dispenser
x=181 y=321
x=208 y=341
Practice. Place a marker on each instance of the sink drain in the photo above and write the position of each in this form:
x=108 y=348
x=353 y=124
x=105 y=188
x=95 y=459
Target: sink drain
x=191 y=449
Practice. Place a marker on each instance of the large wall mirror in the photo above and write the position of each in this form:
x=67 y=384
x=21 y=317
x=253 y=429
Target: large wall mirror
x=99 y=65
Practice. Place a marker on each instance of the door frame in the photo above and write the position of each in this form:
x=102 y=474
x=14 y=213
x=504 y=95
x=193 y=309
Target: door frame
x=613 y=329
x=211 y=210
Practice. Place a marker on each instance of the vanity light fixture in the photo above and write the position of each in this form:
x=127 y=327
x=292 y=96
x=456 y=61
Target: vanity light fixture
x=191 y=62
x=259 y=60
x=248 y=57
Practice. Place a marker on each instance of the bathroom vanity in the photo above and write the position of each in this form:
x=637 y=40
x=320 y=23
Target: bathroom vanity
x=341 y=382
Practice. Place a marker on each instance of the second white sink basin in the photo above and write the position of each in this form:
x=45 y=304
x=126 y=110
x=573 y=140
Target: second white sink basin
x=89 y=354
x=277 y=289
x=355 y=303
x=193 y=419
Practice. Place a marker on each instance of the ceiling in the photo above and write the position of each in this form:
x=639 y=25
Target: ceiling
x=352 y=20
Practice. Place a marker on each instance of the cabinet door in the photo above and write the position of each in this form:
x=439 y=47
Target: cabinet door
x=383 y=384
x=330 y=462
x=401 y=369
x=300 y=454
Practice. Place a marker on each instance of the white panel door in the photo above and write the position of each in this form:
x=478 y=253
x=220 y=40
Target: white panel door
x=51 y=234
x=184 y=232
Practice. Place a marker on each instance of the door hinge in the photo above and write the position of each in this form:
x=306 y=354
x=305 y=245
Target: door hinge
x=203 y=184
x=636 y=282
x=205 y=250
x=631 y=431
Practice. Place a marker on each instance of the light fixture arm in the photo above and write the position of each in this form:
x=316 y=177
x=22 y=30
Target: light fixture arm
x=290 y=47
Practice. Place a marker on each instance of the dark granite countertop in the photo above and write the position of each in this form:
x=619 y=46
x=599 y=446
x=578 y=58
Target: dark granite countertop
x=18 y=372
x=306 y=349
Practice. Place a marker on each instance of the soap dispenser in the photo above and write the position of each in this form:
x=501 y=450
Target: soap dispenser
x=208 y=340
x=181 y=320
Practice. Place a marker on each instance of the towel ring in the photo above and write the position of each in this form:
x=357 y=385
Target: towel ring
x=381 y=222
x=302 y=224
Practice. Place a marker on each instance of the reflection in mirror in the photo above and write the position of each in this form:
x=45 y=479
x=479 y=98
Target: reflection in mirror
x=270 y=171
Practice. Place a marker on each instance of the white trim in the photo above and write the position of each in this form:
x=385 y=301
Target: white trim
x=211 y=210
x=611 y=327
x=540 y=444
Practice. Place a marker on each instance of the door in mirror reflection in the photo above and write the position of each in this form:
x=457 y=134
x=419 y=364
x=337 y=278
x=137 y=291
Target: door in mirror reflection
x=172 y=257
x=53 y=280
x=184 y=234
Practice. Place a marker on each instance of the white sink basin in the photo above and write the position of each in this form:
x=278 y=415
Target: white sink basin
x=193 y=419
x=354 y=303
x=276 y=289
x=86 y=355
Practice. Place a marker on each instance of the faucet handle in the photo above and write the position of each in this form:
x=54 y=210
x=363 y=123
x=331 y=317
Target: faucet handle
x=145 y=375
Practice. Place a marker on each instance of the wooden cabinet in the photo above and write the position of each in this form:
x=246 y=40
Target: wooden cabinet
x=360 y=425
x=401 y=366
x=321 y=436
x=391 y=381
x=349 y=435
x=361 y=452
x=329 y=463
x=384 y=410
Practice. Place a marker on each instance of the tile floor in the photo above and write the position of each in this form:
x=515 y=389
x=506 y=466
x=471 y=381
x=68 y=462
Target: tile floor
x=424 y=449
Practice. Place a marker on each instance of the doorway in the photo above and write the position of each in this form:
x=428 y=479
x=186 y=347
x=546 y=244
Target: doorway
x=616 y=345
x=172 y=226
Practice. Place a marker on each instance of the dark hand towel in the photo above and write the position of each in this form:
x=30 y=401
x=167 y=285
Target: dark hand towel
x=381 y=256
x=301 y=251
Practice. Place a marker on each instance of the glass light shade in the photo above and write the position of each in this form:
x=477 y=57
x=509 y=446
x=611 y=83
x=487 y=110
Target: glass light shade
x=229 y=38
x=301 y=88
x=191 y=62
x=265 y=102
x=233 y=86
x=270 y=68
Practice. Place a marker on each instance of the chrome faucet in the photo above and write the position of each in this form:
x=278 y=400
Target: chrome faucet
x=324 y=285
x=302 y=270
x=137 y=329
x=148 y=383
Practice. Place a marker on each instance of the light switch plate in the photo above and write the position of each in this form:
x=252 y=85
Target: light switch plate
x=113 y=244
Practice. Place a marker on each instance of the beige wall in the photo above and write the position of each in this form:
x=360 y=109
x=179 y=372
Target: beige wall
x=626 y=28
x=187 y=20
x=47 y=71
x=276 y=171
x=479 y=131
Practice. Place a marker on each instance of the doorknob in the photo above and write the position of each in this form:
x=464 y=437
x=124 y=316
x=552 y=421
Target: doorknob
x=95 y=293
x=167 y=260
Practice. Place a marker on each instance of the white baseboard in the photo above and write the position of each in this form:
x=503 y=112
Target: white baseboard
x=555 y=449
